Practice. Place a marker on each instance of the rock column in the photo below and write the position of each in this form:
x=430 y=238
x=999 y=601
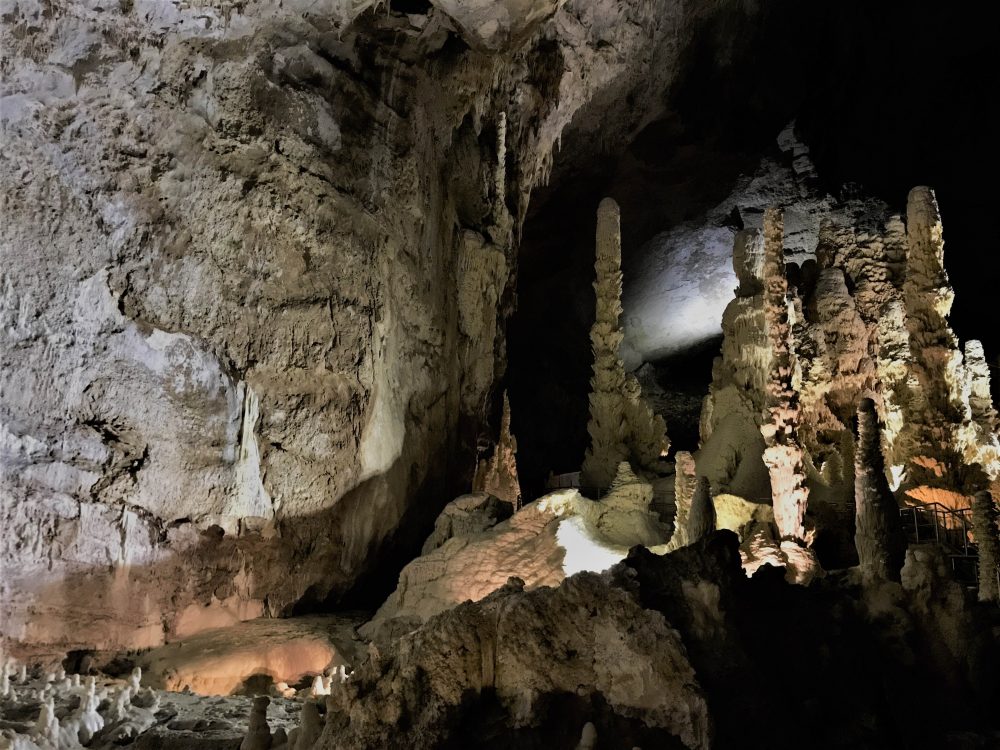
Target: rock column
x=621 y=426
x=984 y=526
x=783 y=454
x=878 y=533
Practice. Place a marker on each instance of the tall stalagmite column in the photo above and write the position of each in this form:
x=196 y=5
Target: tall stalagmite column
x=984 y=526
x=936 y=358
x=621 y=426
x=783 y=454
x=878 y=533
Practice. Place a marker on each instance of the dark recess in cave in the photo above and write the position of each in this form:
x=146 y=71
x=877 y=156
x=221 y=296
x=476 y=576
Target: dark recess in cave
x=887 y=98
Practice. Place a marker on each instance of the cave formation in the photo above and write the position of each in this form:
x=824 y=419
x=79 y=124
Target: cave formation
x=340 y=345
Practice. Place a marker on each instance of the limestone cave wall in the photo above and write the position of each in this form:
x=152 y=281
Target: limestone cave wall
x=256 y=262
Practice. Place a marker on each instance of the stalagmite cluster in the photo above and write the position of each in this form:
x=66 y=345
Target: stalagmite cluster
x=865 y=317
x=622 y=427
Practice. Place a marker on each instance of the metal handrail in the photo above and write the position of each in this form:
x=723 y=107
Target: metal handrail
x=950 y=525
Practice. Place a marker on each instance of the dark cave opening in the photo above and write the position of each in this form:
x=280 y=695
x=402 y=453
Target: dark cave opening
x=885 y=101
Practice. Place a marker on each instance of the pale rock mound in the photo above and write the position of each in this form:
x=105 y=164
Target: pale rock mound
x=561 y=534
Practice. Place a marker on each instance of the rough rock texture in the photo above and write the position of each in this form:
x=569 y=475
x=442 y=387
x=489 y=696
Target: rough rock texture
x=622 y=427
x=500 y=658
x=530 y=668
x=681 y=281
x=467 y=515
x=685 y=485
x=230 y=340
x=55 y=711
x=878 y=533
x=783 y=454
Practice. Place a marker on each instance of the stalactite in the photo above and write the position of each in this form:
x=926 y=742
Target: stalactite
x=783 y=455
x=878 y=533
x=701 y=521
x=984 y=525
x=621 y=426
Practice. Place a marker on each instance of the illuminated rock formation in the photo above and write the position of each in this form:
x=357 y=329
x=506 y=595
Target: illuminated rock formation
x=878 y=532
x=987 y=537
x=783 y=455
x=622 y=427
x=497 y=475
x=556 y=536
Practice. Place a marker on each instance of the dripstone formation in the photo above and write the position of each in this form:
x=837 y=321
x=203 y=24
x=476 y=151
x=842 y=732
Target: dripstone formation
x=260 y=266
x=878 y=532
x=622 y=427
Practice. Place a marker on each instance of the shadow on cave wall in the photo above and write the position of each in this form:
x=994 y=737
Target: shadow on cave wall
x=885 y=99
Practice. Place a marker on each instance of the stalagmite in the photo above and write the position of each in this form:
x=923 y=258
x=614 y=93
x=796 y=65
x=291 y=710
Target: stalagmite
x=497 y=475
x=47 y=726
x=936 y=358
x=622 y=426
x=878 y=534
x=685 y=486
x=5 y=671
x=588 y=737
x=319 y=686
x=701 y=521
x=310 y=728
x=984 y=525
x=783 y=455
x=258 y=732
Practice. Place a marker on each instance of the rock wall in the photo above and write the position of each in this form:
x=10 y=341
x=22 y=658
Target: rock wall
x=233 y=361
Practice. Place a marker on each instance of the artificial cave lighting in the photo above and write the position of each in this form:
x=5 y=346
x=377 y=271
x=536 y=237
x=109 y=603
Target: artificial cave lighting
x=432 y=374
